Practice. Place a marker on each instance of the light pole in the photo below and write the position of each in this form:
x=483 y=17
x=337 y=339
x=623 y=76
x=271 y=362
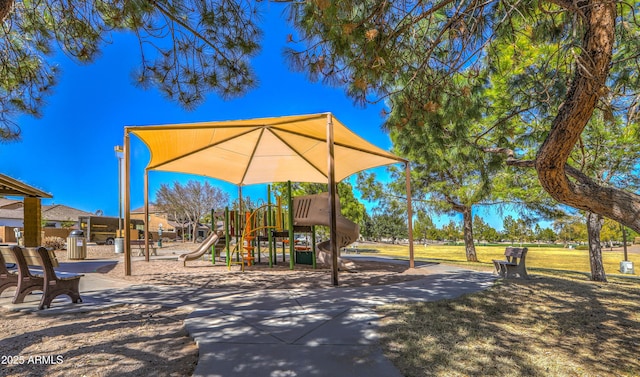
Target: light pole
x=160 y=236
x=119 y=150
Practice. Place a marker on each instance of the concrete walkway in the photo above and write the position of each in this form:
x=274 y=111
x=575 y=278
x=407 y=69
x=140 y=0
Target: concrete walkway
x=283 y=332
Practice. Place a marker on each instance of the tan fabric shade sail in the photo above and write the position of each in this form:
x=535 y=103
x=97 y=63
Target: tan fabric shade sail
x=264 y=150
x=302 y=148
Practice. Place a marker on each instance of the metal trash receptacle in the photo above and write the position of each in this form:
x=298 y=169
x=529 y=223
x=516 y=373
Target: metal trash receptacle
x=76 y=245
x=626 y=267
x=119 y=242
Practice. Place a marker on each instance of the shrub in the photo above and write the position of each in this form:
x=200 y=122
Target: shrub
x=55 y=243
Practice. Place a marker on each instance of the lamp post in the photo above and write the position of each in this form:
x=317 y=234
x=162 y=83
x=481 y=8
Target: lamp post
x=119 y=151
x=160 y=236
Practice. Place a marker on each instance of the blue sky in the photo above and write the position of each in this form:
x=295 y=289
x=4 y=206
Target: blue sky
x=69 y=152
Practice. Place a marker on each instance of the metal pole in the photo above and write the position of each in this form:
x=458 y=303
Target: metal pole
x=213 y=247
x=146 y=215
x=239 y=225
x=291 y=235
x=127 y=204
x=313 y=245
x=407 y=173
x=269 y=226
x=227 y=236
x=333 y=231
x=624 y=242
x=118 y=149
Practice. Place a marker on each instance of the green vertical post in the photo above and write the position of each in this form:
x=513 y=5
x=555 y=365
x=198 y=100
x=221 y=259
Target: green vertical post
x=269 y=225
x=283 y=250
x=313 y=246
x=227 y=235
x=273 y=239
x=291 y=240
x=213 y=247
x=238 y=233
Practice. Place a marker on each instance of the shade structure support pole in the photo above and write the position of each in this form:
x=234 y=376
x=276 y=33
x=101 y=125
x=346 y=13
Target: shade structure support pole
x=270 y=226
x=407 y=173
x=127 y=204
x=146 y=215
x=292 y=257
x=239 y=225
x=333 y=231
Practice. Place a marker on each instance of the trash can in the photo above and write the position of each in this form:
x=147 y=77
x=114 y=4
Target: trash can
x=119 y=245
x=626 y=267
x=76 y=246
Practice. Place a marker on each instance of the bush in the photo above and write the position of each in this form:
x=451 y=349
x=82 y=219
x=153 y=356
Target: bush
x=55 y=243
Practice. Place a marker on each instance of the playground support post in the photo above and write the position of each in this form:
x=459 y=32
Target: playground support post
x=291 y=235
x=313 y=246
x=227 y=236
x=213 y=247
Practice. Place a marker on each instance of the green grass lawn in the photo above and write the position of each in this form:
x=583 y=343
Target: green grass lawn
x=558 y=323
x=542 y=257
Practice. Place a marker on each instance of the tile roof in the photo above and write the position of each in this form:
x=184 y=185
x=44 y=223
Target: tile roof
x=61 y=212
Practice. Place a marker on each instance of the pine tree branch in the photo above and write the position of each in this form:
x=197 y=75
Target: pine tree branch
x=514 y=161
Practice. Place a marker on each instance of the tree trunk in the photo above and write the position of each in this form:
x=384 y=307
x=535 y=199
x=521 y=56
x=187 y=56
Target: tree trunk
x=587 y=87
x=594 y=225
x=469 y=246
x=194 y=232
x=6 y=6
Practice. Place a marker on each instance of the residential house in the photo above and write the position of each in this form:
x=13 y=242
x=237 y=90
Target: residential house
x=53 y=216
x=171 y=228
x=56 y=216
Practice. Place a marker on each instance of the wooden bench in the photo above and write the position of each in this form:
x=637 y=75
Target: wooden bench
x=41 y=276
x=140 y=245
x=514 y=264
x=8 y=277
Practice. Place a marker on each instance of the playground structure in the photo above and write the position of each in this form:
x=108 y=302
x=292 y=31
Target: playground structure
x=315 y=148
x=313 y=210
x=274 y=224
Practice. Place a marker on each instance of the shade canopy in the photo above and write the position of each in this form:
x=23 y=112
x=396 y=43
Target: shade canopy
x=263 y=150
x=13 y=187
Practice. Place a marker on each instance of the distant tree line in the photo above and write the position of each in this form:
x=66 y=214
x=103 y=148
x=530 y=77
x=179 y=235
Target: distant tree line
x=392 y=227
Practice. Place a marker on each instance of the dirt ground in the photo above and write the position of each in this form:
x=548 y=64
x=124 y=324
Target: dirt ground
x=148 y=340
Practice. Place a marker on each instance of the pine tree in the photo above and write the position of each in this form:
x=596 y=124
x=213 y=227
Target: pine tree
x=188 y=48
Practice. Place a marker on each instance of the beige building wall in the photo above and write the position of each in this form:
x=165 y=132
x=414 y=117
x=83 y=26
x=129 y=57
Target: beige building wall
x=154 y=225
